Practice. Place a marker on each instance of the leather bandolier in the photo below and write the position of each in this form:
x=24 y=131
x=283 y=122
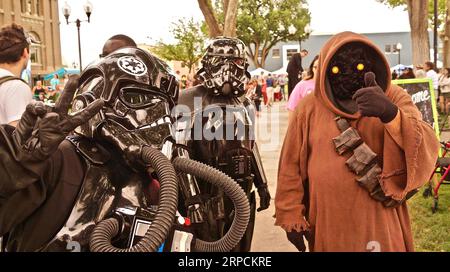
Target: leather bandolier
x=363 y=162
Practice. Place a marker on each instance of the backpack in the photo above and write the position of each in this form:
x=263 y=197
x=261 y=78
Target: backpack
x=9 y=78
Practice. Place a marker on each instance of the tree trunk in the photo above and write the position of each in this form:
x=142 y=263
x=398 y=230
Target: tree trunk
x=254 y=54
x=210 y=18
x=229 y=28
x=418 y=20
x=446 y=38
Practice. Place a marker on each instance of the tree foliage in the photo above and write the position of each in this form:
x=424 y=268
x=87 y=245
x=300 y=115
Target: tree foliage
x=261 y=24
x=190 y=43
x=442 y=9
x=264 y=23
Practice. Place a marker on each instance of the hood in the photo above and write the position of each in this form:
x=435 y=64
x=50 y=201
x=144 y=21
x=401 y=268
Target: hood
x=323 y=90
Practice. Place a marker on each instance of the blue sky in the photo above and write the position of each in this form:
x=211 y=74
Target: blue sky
x=150 y=20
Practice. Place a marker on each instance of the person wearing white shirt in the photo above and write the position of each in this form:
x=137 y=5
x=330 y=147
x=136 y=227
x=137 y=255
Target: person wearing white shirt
x=444 y=84
x=15 y=94
x=431 y=73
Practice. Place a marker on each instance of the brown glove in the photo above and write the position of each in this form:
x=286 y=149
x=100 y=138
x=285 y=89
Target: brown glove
x=264 y=196
x=373 y=102
x=296 y=238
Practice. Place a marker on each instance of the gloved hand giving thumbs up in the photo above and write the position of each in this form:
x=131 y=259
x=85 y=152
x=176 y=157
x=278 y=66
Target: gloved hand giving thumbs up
x=373 y=102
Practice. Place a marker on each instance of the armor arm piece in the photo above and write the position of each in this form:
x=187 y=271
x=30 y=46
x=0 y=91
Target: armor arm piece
x=260 y=176
x=189 y=189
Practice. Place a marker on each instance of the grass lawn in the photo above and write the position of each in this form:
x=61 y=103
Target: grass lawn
x=431 y=231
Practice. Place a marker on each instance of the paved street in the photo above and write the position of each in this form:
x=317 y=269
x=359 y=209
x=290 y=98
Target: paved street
x=271 y=128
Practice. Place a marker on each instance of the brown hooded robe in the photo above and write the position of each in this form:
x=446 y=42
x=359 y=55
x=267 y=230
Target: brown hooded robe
x=315 y=183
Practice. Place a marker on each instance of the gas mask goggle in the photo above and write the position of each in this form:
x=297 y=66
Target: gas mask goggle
x=224 y=69
x=137 y=107
x=142 y=112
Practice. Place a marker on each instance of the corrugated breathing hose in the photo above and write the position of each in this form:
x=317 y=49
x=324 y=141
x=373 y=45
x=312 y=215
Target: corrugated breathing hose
x=158 y=231
x=233 y=191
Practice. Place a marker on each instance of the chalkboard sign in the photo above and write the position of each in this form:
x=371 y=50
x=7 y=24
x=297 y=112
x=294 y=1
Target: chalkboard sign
x=422 y=94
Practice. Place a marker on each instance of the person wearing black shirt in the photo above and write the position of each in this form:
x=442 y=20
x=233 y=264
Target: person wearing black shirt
x=295 y=68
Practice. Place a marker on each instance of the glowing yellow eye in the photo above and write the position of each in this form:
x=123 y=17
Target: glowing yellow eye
x=335 y=70
x=360 y=67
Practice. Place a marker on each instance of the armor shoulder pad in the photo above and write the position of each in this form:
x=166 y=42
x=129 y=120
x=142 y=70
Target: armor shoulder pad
x=90 y=150
x=186 y=97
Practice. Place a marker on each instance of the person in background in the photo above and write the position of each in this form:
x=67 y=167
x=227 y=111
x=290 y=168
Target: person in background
x=254 y=93
x=183 y=82
x=38 y=90
x=444 y=85
x=55 y=81
x=54 y=94
x=420 y=73
x=282 y=84
x=408 y=73
x=15 y=94
x=262 y=82
x=116 y=42
x=64 y=81
x=394 y=75
x=303 y=88
x=295 y=69
x=269 y=89
x=431 y=73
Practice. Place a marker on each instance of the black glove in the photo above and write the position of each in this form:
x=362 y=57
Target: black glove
x=373 y=102
x=296 y=238
x=42 y=128
x=264 y=197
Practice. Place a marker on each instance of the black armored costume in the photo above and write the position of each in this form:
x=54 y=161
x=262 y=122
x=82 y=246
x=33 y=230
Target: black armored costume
x=219 y=132
x=113 y=178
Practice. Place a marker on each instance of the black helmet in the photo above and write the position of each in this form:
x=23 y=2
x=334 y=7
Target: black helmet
x=224 y=70
x=139 y=91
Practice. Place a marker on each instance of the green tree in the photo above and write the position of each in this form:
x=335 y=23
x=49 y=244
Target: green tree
x=421 y=15
x=261 y=24
x=190 y=43
x=264 y=23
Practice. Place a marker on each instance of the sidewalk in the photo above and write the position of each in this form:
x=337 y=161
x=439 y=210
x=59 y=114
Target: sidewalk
x=267 y=237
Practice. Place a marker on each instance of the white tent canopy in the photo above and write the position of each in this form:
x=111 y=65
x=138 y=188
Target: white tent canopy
x=281 y=71
x=258 y=71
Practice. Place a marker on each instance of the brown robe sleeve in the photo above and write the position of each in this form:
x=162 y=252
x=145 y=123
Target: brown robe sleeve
x=410 y=149
x=289 y=209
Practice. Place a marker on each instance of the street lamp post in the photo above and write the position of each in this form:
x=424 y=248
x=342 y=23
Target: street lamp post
x=66 y=9
x=292 y=30
x=435 y=33
x=307 y=31
x=399 y=47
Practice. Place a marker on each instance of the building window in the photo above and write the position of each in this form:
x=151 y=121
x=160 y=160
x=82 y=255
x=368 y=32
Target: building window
x=290 y=53
x=39 y=7
x=25 y=6
x=35 y=50
x=275 y=53
x=388 y=49
x=51 y=9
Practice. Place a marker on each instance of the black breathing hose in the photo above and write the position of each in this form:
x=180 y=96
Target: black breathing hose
x=233 y=191
x=158 y=231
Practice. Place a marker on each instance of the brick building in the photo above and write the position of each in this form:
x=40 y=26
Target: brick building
x=39 y=18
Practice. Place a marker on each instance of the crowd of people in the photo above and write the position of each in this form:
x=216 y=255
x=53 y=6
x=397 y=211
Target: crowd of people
x=266 y=89
x=51 y=92
x=440 y=81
